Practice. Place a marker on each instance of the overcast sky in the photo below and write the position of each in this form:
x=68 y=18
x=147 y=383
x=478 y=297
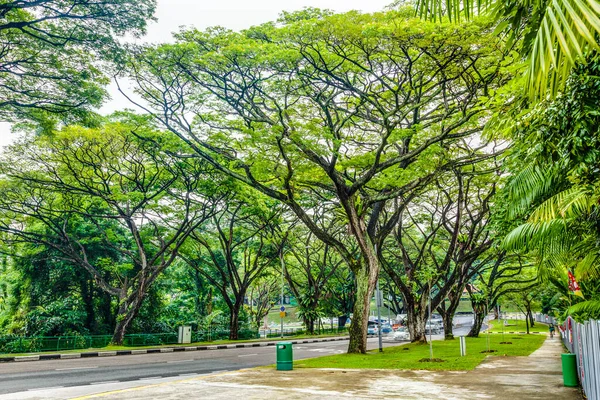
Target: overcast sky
x=232 y=14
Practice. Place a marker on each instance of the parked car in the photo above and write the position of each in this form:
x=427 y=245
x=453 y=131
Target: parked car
x=372 y=328
x=401 y=334
x=434 y=327
x=386 y=328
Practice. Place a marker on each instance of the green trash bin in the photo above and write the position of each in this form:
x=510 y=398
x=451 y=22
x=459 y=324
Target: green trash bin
x=285 y=356
x=569 y=369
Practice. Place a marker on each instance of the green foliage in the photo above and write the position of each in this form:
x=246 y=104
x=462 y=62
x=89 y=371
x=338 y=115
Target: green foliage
x=63 y=317
x=557 y=144
x=554 y=35
x=52 y=52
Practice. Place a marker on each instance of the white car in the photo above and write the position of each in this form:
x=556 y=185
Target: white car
x=401 y=334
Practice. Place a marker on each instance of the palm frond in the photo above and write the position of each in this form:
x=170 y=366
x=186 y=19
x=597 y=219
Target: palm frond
x=562 y=31
x=566 y=32
x=586 y=307
x=531 y=235
x=570 y=203
x=589 y=266
x=529 y=184
x=453 y=10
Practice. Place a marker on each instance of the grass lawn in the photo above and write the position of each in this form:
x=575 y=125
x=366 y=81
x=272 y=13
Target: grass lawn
x=408 y=356
x=517 y=325
x=213 y=343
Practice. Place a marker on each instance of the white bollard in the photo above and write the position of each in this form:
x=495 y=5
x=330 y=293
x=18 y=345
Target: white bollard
x=463 y=346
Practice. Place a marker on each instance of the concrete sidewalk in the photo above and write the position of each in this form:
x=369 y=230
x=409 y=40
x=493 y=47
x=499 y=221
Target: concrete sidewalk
x=535 y=377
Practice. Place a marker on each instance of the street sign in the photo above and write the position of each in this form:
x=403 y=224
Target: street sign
x=282 y=313
x=282 y=309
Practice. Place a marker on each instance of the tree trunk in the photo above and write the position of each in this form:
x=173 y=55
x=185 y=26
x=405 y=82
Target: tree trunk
x=342 y=321
x=87 y=288
x=479 y=316
x=234 y=316
x=362 y=304
x=527 y=323
x=448 y=317
x=448 y=313
x=531 y=319
x=416 y=320
x=127 y=312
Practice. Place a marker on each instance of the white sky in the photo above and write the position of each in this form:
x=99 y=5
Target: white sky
x=232 y=14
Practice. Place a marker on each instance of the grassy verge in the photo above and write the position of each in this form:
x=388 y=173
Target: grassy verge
x=213 y=343
x=517 y=325
x=409 y=356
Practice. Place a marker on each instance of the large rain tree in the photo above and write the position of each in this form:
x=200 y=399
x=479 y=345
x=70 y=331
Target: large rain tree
x=354 y=108
x=235 y=249
x=120 y=181
x=49 y=52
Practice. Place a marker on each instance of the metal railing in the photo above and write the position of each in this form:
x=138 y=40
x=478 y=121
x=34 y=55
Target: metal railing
x=275 y=333
x=583 y=340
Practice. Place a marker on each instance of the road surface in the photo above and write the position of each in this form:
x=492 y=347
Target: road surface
x=83 y=376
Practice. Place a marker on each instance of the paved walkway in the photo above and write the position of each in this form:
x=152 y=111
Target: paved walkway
x=535 y=377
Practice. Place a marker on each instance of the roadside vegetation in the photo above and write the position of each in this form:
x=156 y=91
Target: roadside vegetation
x=446 y=151
x=415 y=356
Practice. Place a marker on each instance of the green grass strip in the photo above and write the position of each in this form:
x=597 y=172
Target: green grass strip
x=409 y=356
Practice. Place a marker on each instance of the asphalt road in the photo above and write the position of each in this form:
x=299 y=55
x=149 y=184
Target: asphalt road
x=67 y=378
x=29 y=376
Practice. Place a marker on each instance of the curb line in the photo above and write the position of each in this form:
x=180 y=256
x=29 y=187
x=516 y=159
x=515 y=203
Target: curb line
x=513 y=332
x=58 y=356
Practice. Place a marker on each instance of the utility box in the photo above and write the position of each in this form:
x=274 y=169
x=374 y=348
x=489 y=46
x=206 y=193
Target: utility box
x=184 y=335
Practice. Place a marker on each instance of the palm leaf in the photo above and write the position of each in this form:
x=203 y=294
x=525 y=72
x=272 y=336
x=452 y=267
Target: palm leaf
x=562 y=30
x=568 y=204
x=529 y=184
x=586 y=307
x=454 y=10
x=566 y=32
x=589 y=266
x=532 y=235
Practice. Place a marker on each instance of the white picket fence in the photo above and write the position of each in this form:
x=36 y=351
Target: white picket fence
x=546 y=319
x=583 y=340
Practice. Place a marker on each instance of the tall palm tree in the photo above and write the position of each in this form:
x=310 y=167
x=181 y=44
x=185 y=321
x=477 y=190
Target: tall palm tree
x=555 y=33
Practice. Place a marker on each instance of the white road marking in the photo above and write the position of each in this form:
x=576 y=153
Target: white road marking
x=248 y=355
x=73 y=368
x=150 y=377
x=103 y=382
x=179 y=361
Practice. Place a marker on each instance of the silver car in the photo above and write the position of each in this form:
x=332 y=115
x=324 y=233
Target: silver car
x=401 y=334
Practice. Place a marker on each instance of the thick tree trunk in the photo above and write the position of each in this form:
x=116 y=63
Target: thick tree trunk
x=479 y=316
x=416 y=319
x=342 y=321
x=310 y=326
x=87 y=288
x=448 y=313
x=127 y=312
x=448 y=317
x=234 y=317
x=362 y=304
